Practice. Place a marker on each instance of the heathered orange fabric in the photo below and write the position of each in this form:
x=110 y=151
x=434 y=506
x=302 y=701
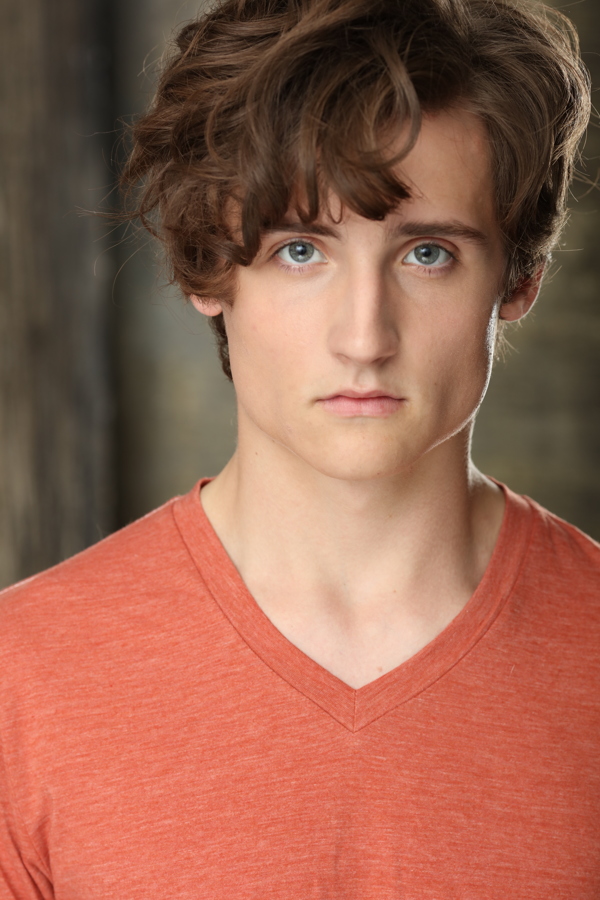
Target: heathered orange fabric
x=162 y=740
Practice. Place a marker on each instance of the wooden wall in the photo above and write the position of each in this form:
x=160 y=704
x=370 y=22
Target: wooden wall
x=177 y=415
x=539 y=428
x=56 y=400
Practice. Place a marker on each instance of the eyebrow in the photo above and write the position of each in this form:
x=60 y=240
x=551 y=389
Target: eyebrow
x=440 y=229
x=404 y=229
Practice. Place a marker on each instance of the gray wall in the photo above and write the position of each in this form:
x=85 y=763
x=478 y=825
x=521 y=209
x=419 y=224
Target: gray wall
x=56 y=398
x=177 y=414
x=540 y=429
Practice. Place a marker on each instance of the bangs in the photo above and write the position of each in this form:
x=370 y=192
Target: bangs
x=331 y=108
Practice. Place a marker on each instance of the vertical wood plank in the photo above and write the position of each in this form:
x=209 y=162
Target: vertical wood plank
x=56 y=462
x=176 y=408
x=539 y=427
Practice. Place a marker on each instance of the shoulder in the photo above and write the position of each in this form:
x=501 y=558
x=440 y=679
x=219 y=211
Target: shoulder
x=121 y=556
x=97 y=594
x=556 y=592
x=560 y=551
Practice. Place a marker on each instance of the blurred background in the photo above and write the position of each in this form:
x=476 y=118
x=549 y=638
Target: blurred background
x=111 y=396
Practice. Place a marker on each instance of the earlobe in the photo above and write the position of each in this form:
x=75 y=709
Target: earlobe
x=522 y=298
x=206 y=306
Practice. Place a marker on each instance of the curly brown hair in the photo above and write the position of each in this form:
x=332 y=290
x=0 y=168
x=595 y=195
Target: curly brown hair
x=267 y=104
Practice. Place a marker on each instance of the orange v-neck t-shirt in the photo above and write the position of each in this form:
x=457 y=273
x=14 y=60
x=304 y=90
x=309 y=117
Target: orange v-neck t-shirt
x=161 y=739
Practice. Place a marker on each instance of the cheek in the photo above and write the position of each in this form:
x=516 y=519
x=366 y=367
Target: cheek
x=460 y=355
x=268 y=359
x=249 y=355
x=271 y=339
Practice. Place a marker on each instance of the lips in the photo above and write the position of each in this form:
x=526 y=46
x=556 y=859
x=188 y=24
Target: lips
x=348 y=403
x=362 y=395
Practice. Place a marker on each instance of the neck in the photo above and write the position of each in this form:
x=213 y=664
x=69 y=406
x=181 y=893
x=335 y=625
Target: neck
x=428 y=532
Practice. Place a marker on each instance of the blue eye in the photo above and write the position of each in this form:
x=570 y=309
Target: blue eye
x=300 y=252
x=430 y=255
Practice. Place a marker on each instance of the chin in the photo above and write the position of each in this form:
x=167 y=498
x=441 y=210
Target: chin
x=359 y=464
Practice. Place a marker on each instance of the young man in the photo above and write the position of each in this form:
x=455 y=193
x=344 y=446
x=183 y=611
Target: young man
x=350 y=666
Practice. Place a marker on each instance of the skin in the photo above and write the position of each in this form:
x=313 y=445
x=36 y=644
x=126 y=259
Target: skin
x=361 y=526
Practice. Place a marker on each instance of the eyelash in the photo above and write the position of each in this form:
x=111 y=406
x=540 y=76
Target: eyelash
x=295 y=269
x=428 y=271
x=432 y=271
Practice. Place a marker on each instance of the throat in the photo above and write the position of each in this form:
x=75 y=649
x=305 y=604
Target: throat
x=360 y=593
x=377 y=641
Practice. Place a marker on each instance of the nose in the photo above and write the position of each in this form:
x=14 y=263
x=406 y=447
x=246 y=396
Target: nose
x=364 y=330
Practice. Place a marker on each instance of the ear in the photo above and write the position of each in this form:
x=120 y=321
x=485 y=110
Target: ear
x=522 y=298
x=206 y=306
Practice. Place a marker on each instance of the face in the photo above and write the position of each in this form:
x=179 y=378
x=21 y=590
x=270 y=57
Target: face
x=359 y=347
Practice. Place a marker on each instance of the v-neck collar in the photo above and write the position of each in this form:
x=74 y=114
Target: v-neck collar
x=355 y=708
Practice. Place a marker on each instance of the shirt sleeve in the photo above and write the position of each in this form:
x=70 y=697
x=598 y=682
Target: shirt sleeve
x=22 y=872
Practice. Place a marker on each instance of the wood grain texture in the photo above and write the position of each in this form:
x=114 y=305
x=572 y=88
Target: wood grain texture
x=56 y=494
x=539 y=427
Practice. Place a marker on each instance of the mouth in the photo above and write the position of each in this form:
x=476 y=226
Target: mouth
x=363 y=395
x=349 y=403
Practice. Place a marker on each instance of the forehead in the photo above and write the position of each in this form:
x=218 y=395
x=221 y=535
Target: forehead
x=450 y=168
x=445 y=178
x=447 y=173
